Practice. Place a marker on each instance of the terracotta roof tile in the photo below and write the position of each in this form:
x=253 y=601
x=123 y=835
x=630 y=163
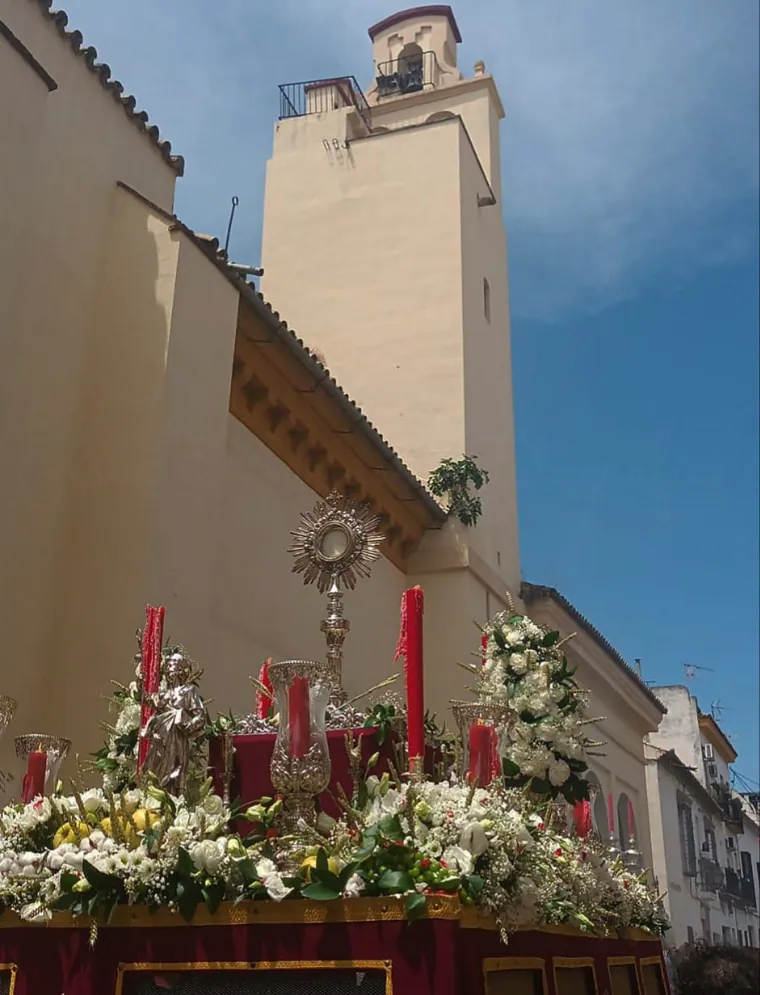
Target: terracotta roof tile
x=532 y=592
x=103 y=71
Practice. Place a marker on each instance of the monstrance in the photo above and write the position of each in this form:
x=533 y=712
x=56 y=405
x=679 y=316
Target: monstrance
x=336 y=544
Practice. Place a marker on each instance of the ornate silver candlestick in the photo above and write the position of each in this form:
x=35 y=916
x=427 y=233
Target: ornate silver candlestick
x=55 y=749
x=334 y=546
x=7 y=708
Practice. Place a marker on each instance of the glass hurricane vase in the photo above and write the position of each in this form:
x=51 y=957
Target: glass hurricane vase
x=300 y=767
x=55 y=749
x=482 y=728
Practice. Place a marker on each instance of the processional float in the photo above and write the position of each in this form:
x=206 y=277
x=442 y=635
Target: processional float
x=318 y=846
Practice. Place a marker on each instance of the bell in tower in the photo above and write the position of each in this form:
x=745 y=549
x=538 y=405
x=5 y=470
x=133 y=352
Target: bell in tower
x=414 y=50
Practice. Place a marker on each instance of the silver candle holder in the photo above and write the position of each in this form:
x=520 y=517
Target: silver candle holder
x=469 y=713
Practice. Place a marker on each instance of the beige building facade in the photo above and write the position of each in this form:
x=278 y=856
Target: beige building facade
x=704 y=836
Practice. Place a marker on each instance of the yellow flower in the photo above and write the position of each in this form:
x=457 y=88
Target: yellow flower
x=144 y=819
x=127 y=832
x=69 y=834
x=310 y=862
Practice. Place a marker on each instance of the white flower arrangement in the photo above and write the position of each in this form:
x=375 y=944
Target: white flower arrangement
x=526 y=669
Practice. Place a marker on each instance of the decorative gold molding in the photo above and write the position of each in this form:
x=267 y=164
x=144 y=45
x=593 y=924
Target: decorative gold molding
x=13 y=971
x=472 y=918
x=247 y=913
x=574 y=963
x=492 y=964
x=278 y=965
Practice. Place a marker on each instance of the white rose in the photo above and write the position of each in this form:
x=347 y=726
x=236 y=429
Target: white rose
x=93 y=800
x=275 y=887
x=558 y=772
x=74 y=860
x=131 y=801
x=213 y=805
x=354 y=886
x=55 y=861
x=5 y=865
x=266 y=868
x=474 y=839
x=29 y=871
x=518 y=663
x=207 y=856
x=458 y=859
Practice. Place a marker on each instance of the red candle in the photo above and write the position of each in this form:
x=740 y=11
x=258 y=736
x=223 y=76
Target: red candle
x=150 y=670
x=483 y=646
x=631 y=820
x=264 y=701
x=610 y=813
x=480 y=754
x=34 y=779
x=582 y=818
x=299 y=717
x=414 y=605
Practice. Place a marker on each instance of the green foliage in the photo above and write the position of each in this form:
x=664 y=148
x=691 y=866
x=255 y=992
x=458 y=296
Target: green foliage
x=453 y=479
x=382 y=717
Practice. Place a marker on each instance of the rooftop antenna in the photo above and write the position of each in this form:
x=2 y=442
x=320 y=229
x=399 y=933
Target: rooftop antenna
x=716 y=709
x=235 y=202
x=690 y=670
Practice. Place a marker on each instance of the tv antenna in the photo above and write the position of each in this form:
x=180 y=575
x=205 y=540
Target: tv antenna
x=235 y=202
x=690 y=670
x=716 y=709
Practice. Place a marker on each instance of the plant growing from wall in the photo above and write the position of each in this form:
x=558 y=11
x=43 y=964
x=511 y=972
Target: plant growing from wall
x=454 y=479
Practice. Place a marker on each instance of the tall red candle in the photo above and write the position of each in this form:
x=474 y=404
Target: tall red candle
x=483 y=646
x=264 y=701
x=413 y=608
x=34 y=779
x=479 y=767
x=299 y=717
x=150 y=670
x=631 y=820
x=610 y=813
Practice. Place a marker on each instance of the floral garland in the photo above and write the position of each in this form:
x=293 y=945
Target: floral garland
x=526 y=669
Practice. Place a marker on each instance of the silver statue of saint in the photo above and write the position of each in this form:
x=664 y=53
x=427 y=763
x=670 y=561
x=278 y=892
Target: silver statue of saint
x=179 y=719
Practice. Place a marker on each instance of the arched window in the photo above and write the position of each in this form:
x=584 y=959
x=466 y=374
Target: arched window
x=411 y=68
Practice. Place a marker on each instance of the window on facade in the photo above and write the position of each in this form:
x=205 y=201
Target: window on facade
x=690 y=935
x=487 y=299
x=688 y=850
x=726 y=934
x=712 y=847
x=751 y=938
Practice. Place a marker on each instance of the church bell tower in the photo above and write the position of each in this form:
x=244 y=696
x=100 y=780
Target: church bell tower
x=384 y=247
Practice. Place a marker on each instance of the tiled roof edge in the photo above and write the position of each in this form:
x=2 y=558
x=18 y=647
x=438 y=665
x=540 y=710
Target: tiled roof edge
x=532 y=592
x=103 y=71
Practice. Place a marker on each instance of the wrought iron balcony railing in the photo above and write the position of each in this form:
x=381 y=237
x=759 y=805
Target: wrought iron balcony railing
x=318 y=96
x=407 y=74
x=710 y=875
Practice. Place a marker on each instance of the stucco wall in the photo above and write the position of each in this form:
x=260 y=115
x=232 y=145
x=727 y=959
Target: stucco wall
x=260 y=608
x=63 y=152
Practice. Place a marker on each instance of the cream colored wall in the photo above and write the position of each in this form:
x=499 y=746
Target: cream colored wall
x=362 y=252
x=64 y=152
x=627 y=717
x=261 y=608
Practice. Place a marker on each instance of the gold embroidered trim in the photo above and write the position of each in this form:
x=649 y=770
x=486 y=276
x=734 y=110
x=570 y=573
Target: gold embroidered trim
x=263 y=965
x=246 y=913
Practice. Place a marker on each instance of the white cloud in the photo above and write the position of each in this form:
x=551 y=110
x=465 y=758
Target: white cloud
x=631 y=139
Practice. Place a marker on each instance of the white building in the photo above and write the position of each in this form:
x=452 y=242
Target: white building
x=704 y=844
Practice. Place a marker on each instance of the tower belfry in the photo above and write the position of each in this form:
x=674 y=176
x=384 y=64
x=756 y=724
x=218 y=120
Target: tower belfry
x=384 y=245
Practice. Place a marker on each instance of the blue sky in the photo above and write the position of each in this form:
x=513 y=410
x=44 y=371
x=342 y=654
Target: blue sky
x=631 y=199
